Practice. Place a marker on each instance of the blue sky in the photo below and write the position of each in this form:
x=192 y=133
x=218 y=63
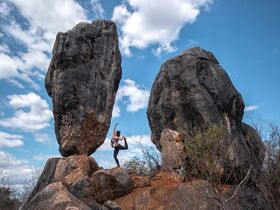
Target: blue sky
x=244 y=35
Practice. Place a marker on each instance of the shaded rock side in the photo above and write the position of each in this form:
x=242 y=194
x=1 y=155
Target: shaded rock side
x=74 y=172
x=193 y=91
x=55 y=196
x=82 y=80
x=111 y=183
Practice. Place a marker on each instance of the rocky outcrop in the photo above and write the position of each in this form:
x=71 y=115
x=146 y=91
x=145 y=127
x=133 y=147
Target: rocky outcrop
x=167 y=195
x=172 y=153
x=80 y=181
x=193 y=91
x=55 y=196
x=111 y=184
x=167 y=191
x=74 y=172
x=140 y=181
x=82 y=80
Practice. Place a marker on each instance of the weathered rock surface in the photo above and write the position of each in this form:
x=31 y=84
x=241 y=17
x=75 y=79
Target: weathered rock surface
x=55 y=196
x=82 y=80
x=81 y=179
x=172 y=152
x=165 y=196
x=167 y=192
x=140 y=181
x=74 y=172
x=111 y=183
x=193 y=91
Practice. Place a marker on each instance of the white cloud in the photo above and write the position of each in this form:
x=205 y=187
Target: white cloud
x=8 y=66
x=154 y=22
x=37 y=59
x=4 y=48
x=250 y=108
x=97 y=8
x=42 y=138
x=4 y=9
x=42 y=157
x=164 y=48
x=14 y=68
x=10 y=140
x=51 y=17
x=116 y=110
x=17 y=171
x=16 y=83
x=32 y=113
x=45 y=20
x=137 y=97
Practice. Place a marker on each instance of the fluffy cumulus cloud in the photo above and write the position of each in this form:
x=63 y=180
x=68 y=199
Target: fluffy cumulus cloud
x=51 y=17
x=32 y=113
x=133 y=95
x=10 y=140
x=8 y=66
x=146 y=22
x=44 y=20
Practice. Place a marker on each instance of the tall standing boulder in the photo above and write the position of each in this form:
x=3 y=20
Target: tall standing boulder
x=193 y=92
x=82 y=80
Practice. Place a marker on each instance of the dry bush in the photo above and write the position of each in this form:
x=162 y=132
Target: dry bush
x=8 y=200
x=135 y=165
x=148 y=165
x=205 y=153
x=28 y=186
x=270 y=177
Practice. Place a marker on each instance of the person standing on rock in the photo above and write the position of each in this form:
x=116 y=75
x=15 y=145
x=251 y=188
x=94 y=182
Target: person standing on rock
x=116 y=145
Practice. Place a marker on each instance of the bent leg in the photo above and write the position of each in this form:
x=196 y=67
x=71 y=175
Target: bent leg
x=123 y=147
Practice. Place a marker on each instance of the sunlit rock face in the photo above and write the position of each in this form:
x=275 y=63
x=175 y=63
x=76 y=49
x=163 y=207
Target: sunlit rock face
x=82 y=80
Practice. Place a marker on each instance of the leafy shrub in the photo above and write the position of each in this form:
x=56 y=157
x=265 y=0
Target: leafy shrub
x=204 y=153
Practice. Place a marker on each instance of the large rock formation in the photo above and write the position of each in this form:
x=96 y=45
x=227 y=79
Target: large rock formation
x=193 y=92
x=77 y=182
x=82 y=80
x=55 y=196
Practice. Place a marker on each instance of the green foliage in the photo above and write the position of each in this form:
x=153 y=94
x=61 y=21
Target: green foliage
x=204 y=151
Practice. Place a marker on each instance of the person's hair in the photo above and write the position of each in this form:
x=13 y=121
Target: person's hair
x=118 y=133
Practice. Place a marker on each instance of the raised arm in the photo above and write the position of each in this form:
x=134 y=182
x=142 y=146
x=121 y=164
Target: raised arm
x=115 y=128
